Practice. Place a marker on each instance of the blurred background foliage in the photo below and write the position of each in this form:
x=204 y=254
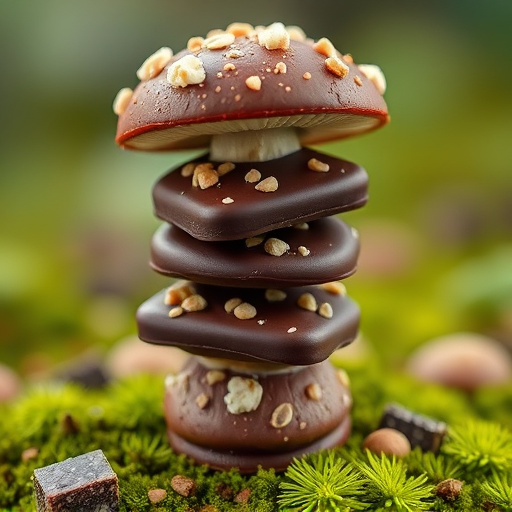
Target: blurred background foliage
x=75 y=210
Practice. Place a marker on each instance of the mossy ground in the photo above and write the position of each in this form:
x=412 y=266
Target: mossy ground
x=125 y=420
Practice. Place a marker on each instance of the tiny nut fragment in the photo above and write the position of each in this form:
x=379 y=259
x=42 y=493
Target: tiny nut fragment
x=218 y=41
x=178 y=292
x=195 y=44
x=231 y=304
x=375 y=75
x=317 y=165
x=304 y=251
x=269 y=184
x=335 y=288
x=214 y=376
x=186 y=71
x=254 y=241
x=194 y=303
x=239 y=29
x=276 y=247
x=324 y=47
x=122 y=100
x=202 y=400
x=176 y=312
x=325 y=310
x=253 y=176
x=273 y=295
x=308 y=302
x=253 y=83
x=336 y=66
x=274 y=37
x=188 y=169
x=314 y=391
x=282 y=415
x=244 y=395
x=245 y=311
x=154 y=64
x=224 y=168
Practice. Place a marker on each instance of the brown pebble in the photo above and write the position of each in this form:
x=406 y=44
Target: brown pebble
x=10 y=384
x=183 y=485
x=224 y=491
x=157 y=495
x=243 y=496
x=29 y=454
x=449 y=490
x=388 y=441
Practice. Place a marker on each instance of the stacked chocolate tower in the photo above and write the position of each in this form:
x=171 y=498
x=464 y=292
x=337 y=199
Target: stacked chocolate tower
x=250 y=233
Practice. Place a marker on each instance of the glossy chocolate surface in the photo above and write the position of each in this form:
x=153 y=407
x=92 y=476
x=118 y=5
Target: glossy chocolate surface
x=215 y=333
x=333 y=247
x=302 y=195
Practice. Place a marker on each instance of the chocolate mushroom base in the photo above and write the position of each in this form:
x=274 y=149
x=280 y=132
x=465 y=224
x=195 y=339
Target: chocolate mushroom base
x=229 y=416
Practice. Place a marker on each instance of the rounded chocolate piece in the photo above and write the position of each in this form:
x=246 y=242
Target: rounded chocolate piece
x=321 y=251
x=307 y=96
x=280 y=331
x=302 y=195
x=226 y=418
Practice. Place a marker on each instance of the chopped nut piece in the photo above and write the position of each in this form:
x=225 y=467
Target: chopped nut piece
x=253 y=83
x=234 y=54
x=302 y=225
x=336 y=66
x=228 y=200
x=195 y=44
x=182 y=379
x=262 y=322
x=291 y=330
x=207 y=178
x=218 y=41
x=229 y=67
x=157 y=495
x=273 y=295
x=282 y=415
x=317 y=165
x=334 y=287
x=238 y=97
x=231 y=304
x=245 y=311
x=348 y=58
x=122 y=100
x=343 y=378
x=308 y=302
x=188 y=169
x=375 y=75
x=194 y=303
x=306 y=75
x=244 y=395
x=287 y=88
x=274 y=37
x=186 y=71
x=178 y=292
x=276 y=247
x=225 y=167
x=183 y=485
x=219 y=74
x=358 y=81
x=296 y=33
x=202 y=400
x=218 y=88
x=314 y=391
x=325 y=47
x=154 y=64
x=253 y=176
x=176 y=312
x=280 y=68
x=304 y=251
x=254 y=241
x=199 y=169
x=214 y=376
x=325 y=310
x=269 y=184
x=302 y=425
x=239 y=29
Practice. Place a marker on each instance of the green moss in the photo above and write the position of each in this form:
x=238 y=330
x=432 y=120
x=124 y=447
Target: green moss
x=126 y=421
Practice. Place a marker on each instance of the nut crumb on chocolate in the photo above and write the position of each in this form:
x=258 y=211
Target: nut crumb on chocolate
x=324 y=47
x=195 y=44
x=244 y=395
x=176 y=312
x=358 y=81
x=254 y=241
x=280 y=68
x=276 y=247
x=245 y=311
x=325 y=310
x=269 y=184
x=253 y=176
x=231 y=304
x=178 y=292
x=194 y=303
x=307 y=75
x=218 y=41
x=202 y=400
x=215 y=376
x=253 y=83
x=154 y=64
x=318 y=166
x=282 y=415
x=304 y=251
x=228 y=200
x=122 y=100
x=334 y=287
x=308 y=302
x=273 y=295
x=336 y=66
x=274 y=37
x=188 y=169
x=186 y=71
x=291 y=330
x=314 y=391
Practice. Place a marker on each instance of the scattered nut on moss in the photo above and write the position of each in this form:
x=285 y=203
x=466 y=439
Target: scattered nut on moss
x=388 y=441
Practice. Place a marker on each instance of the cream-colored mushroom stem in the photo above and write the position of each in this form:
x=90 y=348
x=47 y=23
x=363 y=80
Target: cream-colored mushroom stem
x=254 y=145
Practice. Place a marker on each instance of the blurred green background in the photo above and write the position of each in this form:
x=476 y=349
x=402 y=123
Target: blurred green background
x=75 y=210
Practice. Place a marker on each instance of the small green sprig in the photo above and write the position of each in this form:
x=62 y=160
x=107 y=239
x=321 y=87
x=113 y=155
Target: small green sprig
x=481 y=447
x=498 y=490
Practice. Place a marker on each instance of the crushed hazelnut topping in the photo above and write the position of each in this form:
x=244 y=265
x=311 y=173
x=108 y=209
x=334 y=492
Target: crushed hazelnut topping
x=325 y=47
x=182 y=380
x=239 y=29
x=238 y=97
x=253 y=83
x=280 y=68
x=194 y=303
x=273 y=295
x=325 y=310
x=296 y=33
x=214 y=376
x=176 y=312
x=343 y=378
x=186 y=71
x=253 y=176
x=218 y=88
x=276 y=247
x=282 y=415
x=154 y=64
x=195 y=44
x=245 y=311
x=122 y=100
x=302 y=425
x=291 y=330
x=304 y=251
x=254 y=241
x=231 y=304
x=287 y=88
x=317 y=165
x=244 y=395
x=375 y=75
x=269 y=184
x=348 y=58
x=336 y=66
x=178 y=292
x=234 y=54
x=229 y=67
x=314 y=391
x=274 y=37
x=219 y=74
x=307 y=75
x=225 y=167
x=302 y=225
x=228 y=200
x=199 y=168
x=202 y=400
x=358 y=81
x=188 y=170
x=214 y=32
x=307 y=301
x=262 y=322
x=207 y=178
x=335 y=288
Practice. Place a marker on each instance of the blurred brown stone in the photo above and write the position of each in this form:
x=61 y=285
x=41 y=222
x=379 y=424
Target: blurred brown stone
x=10 y=384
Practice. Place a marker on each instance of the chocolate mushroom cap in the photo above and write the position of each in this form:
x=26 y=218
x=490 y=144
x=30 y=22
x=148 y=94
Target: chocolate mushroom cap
x=307 y=96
